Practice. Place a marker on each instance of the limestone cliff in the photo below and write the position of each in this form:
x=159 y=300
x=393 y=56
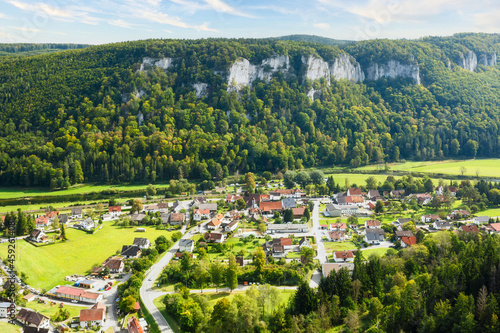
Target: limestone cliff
x=393 y=69
x=468 y=61
x=162 y=63
x=346 y=67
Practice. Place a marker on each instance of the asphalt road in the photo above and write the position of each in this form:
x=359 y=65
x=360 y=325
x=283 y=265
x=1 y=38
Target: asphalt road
x=322 y=255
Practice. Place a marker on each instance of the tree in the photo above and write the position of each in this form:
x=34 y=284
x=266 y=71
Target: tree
x=216 y=271
x=470 y=148
x=267 y=175
x=289 y=178
x=63 y=232
x=127 y=304
x=307 y=213
x=288 y=216
x=262 y=228
x=317 y=177
x=305 y=300
x=22 y=223
x=151 y=190
x=303 y=179
x=241 y=204
x=201 y=274
x=371 y=183
x=136 y=206
x=307 y=254
x=232 y=273
x=454 y=147
x=250 y=181
x=259 y=260
x=186 y=262
x=463 y=170
x=379 y=207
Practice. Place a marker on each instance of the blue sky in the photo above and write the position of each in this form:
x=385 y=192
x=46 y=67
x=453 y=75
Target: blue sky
x=104 y=21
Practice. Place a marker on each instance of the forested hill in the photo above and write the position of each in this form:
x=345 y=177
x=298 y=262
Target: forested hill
x=28 y=49
x=160 y=109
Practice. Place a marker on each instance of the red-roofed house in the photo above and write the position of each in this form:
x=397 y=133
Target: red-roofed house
x=42 y=221
x=95 y=316
x=343 y=256
x=430 y=218
x=336 y=236
x=494 y=227
x=213 y=237
x=115 y=210
x=200 y=214
x=354 y=191
x=338 y=226
x=469 y=228
x=233 y=198
x=269 y=207
x=215 y=223
x=298 y=212
x=372 y=224
x=371 y=206
x=408 y=241
x=133 y=326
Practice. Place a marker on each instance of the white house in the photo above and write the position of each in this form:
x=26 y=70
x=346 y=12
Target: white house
x=186 y=245
x=200 y=214
x=77 y=213
x=95 y=316
x=481 y=219
x=231 y=226
x=4 y=309
x=33 y=319
x=142 y=243
x=442 y=225
x=88 y=224
x=343 y=256
x=372 y=224
x=430 y=218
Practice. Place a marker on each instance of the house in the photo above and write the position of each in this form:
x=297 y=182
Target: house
x=95 y=316
x=339 y=210
x=358 y=200
x=453 y=190
x=178 y=206
x=403 y=220
x=430 y=218
x=469 y=228
x=371 y=205
x=277 y=247
x=63 y=219
x=32 y=319
x=233 y=198
x=88 y=224
x=397 y=194
x=214 y=237
x=233 y=214
x=304 y=242
x=338 y=226
x=151 y=208
x=115 y=265
x=288 y=228
x=288 y=203
x=403 y=233
x=38 y=236
x=197 y=201
x=88 y=284
x=372 y=224
x=76 y=213
x=408 y=241
x=288 y=193
x=336 y=236
x=343 y=256
x=28 y=298
x=354 y=191
x=142 y=243
x=178 y=255
x=215 y=222
x=42 y=221
x=492 y=228
x=133 y=326
x=269 y=207
x=115 y=211
x=130 y=251
x=212 y=207
x=439 y=190
x=200 y=214
x=186 y=245
x=458 y=214
x=442 y=225
x=481 y=219
x=165 y=218
x=327 y=268
x=231 y=226
x=137 y=217
x=344 y=199
x=373 y=194
x=4 y=309
x=253 y=200
x=323 y=226
x=298 y=213
x=422 y=198
x=374 y=236
x=177 y=218
x=73 y=293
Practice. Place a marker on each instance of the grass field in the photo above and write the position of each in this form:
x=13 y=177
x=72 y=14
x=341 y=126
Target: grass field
x=238 y=246
x=46 y=266
x=19 y=192
x=330 y=247
x=377 y=251
x=5 y=327
x=50 y=310
x=485 y=168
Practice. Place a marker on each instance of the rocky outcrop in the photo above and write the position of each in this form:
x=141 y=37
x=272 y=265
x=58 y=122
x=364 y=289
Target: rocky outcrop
x=346 y=67
x=313 y=94
x=316 y=68
x=488 y=59
x=162 y=63
x=200 y=89
x=393 y=69
x=468 y=61
x=242 y=73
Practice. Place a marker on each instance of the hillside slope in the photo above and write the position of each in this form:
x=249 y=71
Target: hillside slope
x=160 y=109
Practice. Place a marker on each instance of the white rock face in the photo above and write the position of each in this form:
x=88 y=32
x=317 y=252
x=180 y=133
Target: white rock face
x=200 y=89
x=242 y=73
x=488 y=59
x=162 y=63
x=345 y=67
x=393 y=69
x=140 y=93
x=468 y=61
x=316 y=68
x=312 y=94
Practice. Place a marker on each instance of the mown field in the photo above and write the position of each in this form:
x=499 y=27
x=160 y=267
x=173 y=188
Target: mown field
x=46 y=266
x=5 y=327
x=483 y=167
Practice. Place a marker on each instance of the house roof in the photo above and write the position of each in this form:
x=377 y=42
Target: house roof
x=130 y=250
x=462 y=212
x=338 y=225
x=137 y=217
x=76 y=211
x=114 y=209
x=409 y=240
x=216 y=221
x=133 y=326
x=212 y=236
x=344 y=254
x=31 y=329
x=404 y=220
x=371 y=205
x=372 y=223
x=354 y=191
x=495 y=226
x=201 y=211
x=329 y=267
x=287 y=191
x=432 y=216
x=453 y=189
x=186 y=242
x=357 y=199
x=179 y=254
x=469 y=228
x=36 y=233
x=373 y=193
x=298 y=211
x=233 y=223
x=287 y=226
x=31 y=317
x=336 y=234
x=98 y=305
x=482 y=219
x=282 y=241
x=268 y=206
x=27 y=297
x=114 y=264
x=141 y=242
x=177 y=217
x=288 y=203
x=404 y=233
x=92 y=314
x=303 y=241
x=344 y=199
x=442 y=224
x=209 y=206
x=63 y=218
x=373 y=236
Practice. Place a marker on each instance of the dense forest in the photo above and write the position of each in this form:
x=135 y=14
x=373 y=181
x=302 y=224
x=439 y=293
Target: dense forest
x=95 y=114
x=28 y=49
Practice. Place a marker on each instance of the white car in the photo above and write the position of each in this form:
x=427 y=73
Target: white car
x=74 y=301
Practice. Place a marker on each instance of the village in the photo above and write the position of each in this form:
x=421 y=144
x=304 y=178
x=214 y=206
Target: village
x=285 y=223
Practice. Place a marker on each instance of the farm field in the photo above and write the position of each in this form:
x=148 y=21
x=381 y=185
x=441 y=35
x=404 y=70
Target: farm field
x=359 y=179
x=46 y=266
x=486 y=167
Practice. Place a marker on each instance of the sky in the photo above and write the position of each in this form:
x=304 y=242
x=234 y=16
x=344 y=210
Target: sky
x=107 y=21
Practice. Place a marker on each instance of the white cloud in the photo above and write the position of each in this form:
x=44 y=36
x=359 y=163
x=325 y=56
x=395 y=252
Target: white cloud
x=25 y=29
x=223 y=7
x=120 y=23
x=2 y=15
x=324 y=26
x=488 y=21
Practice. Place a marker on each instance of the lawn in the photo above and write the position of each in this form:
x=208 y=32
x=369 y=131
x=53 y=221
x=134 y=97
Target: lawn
x=237 y=245
x=485 y=168
x=381 y=251
x=330 y=247
x=19 y=192
x=47 y=266
x=5 y=327
x=50 y=310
